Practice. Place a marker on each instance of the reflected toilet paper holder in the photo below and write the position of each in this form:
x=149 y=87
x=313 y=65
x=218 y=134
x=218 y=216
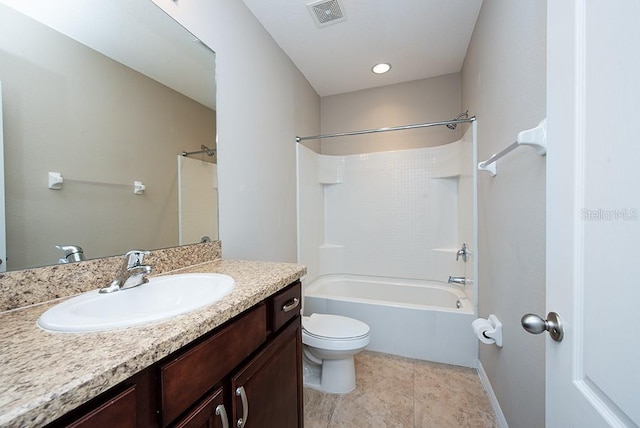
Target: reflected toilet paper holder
x=488 y=331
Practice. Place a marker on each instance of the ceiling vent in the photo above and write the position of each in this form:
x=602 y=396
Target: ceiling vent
x=326 y=12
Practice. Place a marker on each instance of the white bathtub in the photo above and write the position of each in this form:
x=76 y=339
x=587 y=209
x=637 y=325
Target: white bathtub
x=427 y=320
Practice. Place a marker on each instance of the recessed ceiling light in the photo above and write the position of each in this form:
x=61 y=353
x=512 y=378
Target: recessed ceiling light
x=381 y=68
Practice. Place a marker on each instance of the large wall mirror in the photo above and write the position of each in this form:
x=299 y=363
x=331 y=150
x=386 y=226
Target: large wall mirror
x=106 y=93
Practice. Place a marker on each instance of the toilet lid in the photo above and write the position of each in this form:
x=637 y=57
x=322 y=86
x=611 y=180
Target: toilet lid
x=334 y=327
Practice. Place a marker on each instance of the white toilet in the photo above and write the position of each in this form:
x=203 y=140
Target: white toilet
x=330 y=343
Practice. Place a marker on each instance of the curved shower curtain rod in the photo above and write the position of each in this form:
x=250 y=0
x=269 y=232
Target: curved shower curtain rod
x=449 y=123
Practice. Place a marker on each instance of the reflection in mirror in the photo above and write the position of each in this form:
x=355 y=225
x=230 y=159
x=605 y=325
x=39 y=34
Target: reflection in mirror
x=197 y=200
x=101 y=124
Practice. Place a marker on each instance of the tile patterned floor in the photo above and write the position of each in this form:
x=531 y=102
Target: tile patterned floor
x=400 y=392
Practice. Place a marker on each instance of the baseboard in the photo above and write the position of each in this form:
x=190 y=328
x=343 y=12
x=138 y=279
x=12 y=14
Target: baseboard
x=502 y=421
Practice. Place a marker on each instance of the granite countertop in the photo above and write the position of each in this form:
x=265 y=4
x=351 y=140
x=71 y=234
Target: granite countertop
x=45 y=375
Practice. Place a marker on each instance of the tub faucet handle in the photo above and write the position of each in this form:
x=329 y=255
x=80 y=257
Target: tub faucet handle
x=464 y=252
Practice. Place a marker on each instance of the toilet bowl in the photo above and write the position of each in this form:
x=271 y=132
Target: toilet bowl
x=330 y=343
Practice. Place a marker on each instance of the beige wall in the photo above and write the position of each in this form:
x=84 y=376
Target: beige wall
x=71 y=110
x=504 y=84
x=426 y=100
x=263 y=103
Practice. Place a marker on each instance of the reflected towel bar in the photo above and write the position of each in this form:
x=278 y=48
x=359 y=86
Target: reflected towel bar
x=534 y=137
x=56 y=180
x=205 y=149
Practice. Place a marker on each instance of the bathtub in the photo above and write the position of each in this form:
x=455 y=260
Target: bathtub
x=427 y=320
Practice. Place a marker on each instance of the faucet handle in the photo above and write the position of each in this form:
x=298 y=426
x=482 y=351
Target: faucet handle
x=464 y=252
x=134 y=258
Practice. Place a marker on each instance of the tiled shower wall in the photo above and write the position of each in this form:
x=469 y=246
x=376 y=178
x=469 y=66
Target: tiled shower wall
x=400 y=214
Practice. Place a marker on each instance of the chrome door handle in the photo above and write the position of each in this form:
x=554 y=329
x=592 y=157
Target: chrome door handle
x=240 y=392
x=223 y=415
x=534 y=324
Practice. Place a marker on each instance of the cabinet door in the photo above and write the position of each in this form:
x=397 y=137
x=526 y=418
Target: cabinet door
x=267 y=392
x=210 y=413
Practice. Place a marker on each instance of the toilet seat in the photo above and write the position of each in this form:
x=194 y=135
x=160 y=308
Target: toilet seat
x=330 y=344
x=334 y=332
x=334 y=327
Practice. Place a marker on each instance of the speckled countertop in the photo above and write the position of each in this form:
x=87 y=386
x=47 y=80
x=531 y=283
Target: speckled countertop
x=45 y=375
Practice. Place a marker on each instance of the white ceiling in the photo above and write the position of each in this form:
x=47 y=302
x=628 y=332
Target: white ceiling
x=420 y=38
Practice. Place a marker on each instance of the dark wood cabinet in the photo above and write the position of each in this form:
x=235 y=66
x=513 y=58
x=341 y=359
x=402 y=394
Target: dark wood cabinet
x=210 y=413
x=266 y=390
x=118 y=411
x=188 y=376
x=257 y=356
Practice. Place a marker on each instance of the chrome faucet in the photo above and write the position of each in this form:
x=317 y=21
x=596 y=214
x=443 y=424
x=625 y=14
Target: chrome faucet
x=131 y=274
x=72 y=253
x=460 y=280
x=464 y=252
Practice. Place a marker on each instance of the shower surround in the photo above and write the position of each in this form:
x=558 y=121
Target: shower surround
x=399 y=215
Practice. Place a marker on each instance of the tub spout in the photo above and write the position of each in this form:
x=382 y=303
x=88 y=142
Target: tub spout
x=459 y=280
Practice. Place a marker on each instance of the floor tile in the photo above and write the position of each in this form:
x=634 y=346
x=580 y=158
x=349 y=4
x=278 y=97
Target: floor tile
x=395 y=391
x=318 y=408
x=453 y=386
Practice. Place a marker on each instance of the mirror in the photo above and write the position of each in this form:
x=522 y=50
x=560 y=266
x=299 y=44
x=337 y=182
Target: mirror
x=107 y=93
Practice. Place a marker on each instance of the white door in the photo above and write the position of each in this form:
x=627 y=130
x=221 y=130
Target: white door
x=3 y=234
x=593 y=206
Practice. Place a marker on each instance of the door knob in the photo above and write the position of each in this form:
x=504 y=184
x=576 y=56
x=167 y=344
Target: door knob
x=534 y=324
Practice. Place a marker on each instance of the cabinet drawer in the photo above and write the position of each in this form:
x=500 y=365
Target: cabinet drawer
x=285 y=305
x=191 y=374
x=120 y=411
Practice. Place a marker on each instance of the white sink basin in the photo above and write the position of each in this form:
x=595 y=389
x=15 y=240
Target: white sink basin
x=162 y=298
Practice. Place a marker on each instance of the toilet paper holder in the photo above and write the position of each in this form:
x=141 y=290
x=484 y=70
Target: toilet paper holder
x=489 y=331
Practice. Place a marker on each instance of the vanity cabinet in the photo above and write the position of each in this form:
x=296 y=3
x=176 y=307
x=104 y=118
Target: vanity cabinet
x=265 y=391
x=119 y=411
x=188 y=376
x=209 y=413
x=245 y=373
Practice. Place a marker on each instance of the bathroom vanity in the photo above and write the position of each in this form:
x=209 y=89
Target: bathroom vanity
x=247 y=371
x=238 y=360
